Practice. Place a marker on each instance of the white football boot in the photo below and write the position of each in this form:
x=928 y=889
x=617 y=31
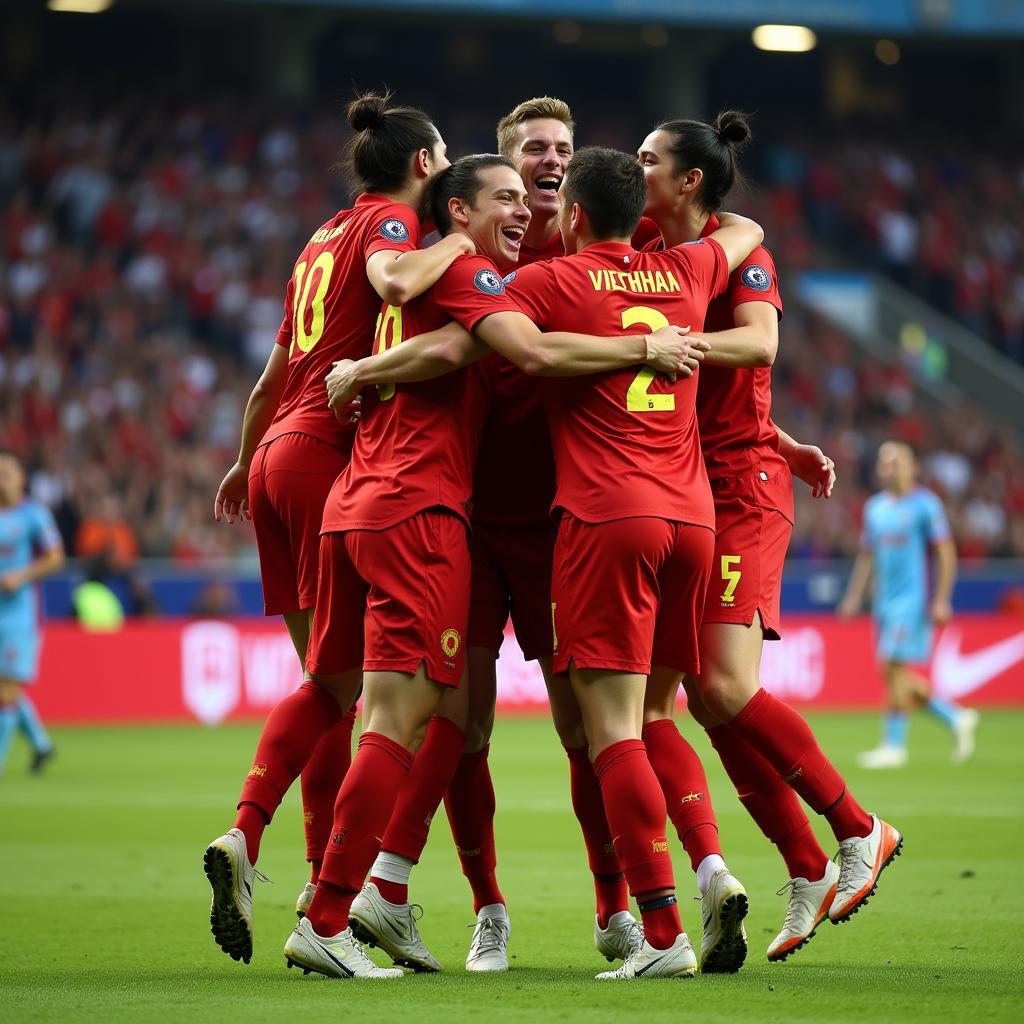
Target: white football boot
x=226 y=863
x=489 y=949
x=337 y=957
x=392 y=927
x=884 y=756
x=678 y=961
x=809 y=903
x=621 y=938
x=963 y=733
x=723 y=947
x=861 y=861
x=305 y=900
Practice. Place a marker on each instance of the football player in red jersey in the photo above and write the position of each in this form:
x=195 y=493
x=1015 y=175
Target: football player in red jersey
x=292 y=450
x=406 y=491
x=636 y=537
x=767 y=748
x=511 y=549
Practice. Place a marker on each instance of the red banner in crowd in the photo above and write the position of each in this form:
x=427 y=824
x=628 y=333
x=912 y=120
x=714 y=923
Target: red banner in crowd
x=213 y=671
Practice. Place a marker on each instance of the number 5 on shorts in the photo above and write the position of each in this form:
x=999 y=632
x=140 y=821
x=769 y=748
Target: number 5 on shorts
x=731 y=577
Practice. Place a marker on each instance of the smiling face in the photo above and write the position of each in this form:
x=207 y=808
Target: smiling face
x=498 y=217
x=541 y=151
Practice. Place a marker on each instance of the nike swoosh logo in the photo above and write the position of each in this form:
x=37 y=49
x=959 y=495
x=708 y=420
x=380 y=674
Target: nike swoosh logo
x=957 y=674
x=654 y=963
x=347 y=970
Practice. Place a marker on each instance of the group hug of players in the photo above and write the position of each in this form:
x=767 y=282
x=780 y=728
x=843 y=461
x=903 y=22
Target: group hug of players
x=565 y=417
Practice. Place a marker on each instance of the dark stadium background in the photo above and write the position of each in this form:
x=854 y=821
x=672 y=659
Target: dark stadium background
x=162 y=163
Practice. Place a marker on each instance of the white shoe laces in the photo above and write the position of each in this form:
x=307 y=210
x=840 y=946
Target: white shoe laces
x=794 y=888
x=847 y=863
x=488 y=935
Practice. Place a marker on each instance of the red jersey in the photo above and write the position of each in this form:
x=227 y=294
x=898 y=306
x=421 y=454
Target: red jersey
x=734 y=406
x=626 y=441
x=515 y=471
x=416 y=444
x=330 y=307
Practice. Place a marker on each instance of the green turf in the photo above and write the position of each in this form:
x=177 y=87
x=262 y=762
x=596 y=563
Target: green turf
x=103 y=902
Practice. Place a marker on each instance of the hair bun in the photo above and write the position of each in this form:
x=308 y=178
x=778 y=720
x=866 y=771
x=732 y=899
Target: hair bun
x=732 y=127
x=366 y=112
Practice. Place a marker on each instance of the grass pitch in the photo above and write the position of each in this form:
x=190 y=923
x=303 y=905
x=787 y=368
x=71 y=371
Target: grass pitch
x=104 y=906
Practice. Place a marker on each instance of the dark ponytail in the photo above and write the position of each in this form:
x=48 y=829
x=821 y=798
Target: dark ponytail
x=713 y=149
x=387 y=138
x=460 y=181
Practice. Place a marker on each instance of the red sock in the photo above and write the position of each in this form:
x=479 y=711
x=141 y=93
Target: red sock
x=292 y=731
x=321 y=779
x=661 y=923
x=470 y=806
x=588 y=804
x=685 y=786
x=635 y=807
x=367 y=798
x=774 y=807
x=432 y=770
x=251 y=821
x=787 y=743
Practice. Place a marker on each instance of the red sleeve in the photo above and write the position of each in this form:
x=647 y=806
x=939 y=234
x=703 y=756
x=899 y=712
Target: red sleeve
x=395 y=227
x=535 y=290
x=755 y=280
x=705 y=264
x=284 y=332
x=470 y=289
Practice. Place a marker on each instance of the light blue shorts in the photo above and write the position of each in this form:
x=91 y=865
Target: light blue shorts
x=904 y=640
x=19 y=654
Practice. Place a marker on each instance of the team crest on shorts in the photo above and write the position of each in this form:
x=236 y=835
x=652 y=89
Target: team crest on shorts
x=394 y=230
x=756 y=277
x=451 y=641
x=489 y=282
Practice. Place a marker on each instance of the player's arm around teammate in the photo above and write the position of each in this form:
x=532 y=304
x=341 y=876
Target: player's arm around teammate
x=767 y=748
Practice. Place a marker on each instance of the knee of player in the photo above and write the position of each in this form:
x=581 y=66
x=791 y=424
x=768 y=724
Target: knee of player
x=726 y=690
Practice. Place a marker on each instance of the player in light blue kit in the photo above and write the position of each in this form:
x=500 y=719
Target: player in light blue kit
x=30 y=548
x=901 y=523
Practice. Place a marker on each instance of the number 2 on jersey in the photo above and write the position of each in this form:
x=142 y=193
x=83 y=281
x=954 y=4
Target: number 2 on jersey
x=301 y=300
x=638 y=397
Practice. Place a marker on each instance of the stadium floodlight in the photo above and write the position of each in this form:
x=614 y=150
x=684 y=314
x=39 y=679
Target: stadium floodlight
x=784 y=38
x=79 y=6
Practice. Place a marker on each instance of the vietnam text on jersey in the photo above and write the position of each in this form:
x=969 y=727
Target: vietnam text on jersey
x=626 y=442
x=330 y=307
x=416 y=444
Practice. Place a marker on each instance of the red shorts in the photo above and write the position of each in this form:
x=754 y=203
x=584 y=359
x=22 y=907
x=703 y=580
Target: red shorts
x=629 y=593
x=289 y=480
x=392 y=599
x=512 y=575
x=746 y=576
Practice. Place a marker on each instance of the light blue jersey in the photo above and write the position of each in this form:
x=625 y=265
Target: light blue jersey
x=26 y=529
x=898 y=531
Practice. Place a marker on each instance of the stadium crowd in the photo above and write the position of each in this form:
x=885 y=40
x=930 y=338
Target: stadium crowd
x=143 y=258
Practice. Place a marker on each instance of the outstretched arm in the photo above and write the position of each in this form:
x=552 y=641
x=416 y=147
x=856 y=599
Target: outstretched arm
x=566 y=354
x=421 y=358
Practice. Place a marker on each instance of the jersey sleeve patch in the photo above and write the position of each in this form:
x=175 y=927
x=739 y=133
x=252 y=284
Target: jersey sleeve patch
x=489 y=282
x=394 y=230
x=756 y=278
